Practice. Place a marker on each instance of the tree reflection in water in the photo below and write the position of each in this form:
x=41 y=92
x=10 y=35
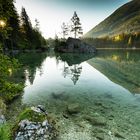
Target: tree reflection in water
x=72 y=67
x=76 y=72
x=73 y=72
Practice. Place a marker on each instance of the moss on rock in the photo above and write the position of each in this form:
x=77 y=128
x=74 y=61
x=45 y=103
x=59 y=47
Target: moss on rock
x=32 y=115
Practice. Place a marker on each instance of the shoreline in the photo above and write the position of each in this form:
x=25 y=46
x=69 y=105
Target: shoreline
x=118 y=49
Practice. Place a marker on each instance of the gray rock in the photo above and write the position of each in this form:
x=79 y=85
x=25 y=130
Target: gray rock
x=20 y=137
x=41 y=131
x=2 y=119
x=73 y=108
x=45 y=123
x=76 y=45
x=23 y=124
x=39 y=109
x=45 y=136
x=96 y=120
x=29 y=130
x=32 y=127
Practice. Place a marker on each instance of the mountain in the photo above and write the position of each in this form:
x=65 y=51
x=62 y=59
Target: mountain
x=125 y=19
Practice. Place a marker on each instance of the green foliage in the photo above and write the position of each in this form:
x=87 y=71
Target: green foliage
x=8 y=90
x=7 y=65
x=9 y=34
x=26 y=26
x=32 y=116
x=32 y=36
x=5 y=132
x=121 y=40
x=18 y=34
x=59 y=45
x=2 y=107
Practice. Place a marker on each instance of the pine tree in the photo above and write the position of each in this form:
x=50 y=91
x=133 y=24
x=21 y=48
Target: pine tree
x=26 y=26
x=76 y=25
x=64 y=28
x=37 y=25
x=9 y=15
x=14 y=24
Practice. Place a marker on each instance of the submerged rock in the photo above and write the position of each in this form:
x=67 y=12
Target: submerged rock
x=98 y=120
x=73 y=108
x=59 y=95
x=99 y=136
x=118 y=135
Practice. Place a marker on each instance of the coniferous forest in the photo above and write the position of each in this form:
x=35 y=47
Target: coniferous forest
x=17 y=31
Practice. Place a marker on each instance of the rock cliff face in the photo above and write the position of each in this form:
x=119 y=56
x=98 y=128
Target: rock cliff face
x=77 y=46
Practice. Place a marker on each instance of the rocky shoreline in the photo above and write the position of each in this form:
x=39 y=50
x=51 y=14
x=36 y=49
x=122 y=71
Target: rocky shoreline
x=32 y=124
x=36 y=127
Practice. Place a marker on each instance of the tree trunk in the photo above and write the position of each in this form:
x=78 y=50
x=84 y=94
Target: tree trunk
x=75 y=33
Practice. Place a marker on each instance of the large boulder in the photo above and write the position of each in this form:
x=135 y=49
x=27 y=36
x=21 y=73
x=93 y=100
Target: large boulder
x=35 y=124
x=76 y=45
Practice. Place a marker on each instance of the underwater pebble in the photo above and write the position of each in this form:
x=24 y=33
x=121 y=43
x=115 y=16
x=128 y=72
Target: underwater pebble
x=73 y=108
x=96 y=120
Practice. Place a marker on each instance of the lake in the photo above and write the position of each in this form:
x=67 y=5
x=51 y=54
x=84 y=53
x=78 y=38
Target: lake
x=105 y=88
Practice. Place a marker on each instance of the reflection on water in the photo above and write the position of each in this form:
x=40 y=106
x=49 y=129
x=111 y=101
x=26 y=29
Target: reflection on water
x=57 y=81
x=122 y=67
x=73 y=71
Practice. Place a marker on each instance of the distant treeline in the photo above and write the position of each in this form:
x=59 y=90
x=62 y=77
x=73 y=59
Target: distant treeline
x=120 y=41
x=16 y=31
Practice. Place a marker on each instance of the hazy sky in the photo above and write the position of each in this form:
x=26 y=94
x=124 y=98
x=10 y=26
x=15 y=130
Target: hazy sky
x=52 y=13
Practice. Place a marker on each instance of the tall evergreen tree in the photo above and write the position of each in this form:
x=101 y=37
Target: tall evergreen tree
x=9 y=15
x=64 y=28
x=32 y=35
x=26 y=26
x=37 y=25
x=76 y=25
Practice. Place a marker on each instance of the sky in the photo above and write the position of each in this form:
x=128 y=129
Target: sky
x=52 y=13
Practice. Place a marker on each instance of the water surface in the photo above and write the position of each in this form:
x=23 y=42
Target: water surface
x=101 y=85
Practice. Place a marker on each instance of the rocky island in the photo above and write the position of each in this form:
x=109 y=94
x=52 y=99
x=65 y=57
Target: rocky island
x=73 y=45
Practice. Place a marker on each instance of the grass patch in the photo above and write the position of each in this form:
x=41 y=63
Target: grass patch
x=5 y=132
